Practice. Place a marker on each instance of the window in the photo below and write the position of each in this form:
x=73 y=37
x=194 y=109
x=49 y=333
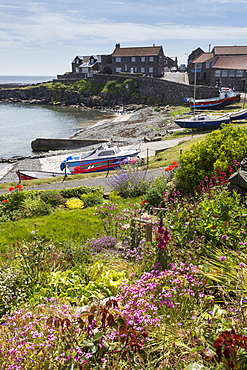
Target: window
x=143 y=59
x=84 y=70
x=118 y=59
x=224 y=73
x=217 y=73
x=106 y=153
x=207 y=65
x=232 y=73
x=240 y=73
x=118 y=70
x=133 y=59
x=143 y=70
x=150 y=69
x=126 y=67
x=151 y=59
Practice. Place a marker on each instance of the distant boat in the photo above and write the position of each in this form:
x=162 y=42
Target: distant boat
x=227 y=97
x=242 y=114
x=104 y=158
x=31 y=175
x=203 y=121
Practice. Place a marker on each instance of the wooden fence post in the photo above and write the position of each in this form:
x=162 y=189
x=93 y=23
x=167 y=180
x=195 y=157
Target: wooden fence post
x=149 y=232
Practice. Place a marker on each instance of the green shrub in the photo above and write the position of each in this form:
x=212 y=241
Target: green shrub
x=78 y=191
x=217 y=151
x=91 y=199
x=54 y=198
x=154 y=194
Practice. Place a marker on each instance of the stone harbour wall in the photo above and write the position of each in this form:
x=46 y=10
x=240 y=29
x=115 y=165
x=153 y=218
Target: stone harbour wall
x=142 y=90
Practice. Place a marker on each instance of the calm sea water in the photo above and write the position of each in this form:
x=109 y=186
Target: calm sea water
x=22 y=123
x=25 y=79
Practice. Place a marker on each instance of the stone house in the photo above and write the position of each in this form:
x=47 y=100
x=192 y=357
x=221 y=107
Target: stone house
x=87 y=66
x=146 y=61
x=224 y=66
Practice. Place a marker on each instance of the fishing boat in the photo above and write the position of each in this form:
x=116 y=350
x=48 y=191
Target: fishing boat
x=104 y=158
x=203 y=121
x=227 y=96
x=235 y=116
x=31 y=175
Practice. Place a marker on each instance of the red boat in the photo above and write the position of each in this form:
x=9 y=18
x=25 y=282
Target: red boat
x=227 y=97
x=31 y=175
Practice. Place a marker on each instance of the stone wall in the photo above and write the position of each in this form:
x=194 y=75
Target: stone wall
x=143 y=91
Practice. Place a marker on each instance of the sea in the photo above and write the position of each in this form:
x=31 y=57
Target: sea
x=22 y=123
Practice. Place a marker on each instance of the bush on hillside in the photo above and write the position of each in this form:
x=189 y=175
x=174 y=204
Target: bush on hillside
x=217 y=151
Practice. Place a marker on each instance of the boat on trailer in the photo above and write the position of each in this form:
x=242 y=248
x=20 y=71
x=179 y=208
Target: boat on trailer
x=227 y=96
x=103 y=158
x=203 y=121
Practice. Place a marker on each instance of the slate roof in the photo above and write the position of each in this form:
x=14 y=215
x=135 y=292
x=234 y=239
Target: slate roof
x=136 y=51
x=231 y=62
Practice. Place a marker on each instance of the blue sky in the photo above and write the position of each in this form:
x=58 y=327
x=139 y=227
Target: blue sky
x=43 y=37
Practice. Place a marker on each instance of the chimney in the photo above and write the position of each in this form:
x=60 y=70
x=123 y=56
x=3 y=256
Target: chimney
x=117 y=46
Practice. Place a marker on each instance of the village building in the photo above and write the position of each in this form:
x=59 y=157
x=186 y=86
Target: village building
x=224 y=66
x=146 y=61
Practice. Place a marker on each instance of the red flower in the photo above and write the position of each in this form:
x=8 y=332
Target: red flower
x=11 y=189
x=5 y=201
x=20 y=187
x=144 y=202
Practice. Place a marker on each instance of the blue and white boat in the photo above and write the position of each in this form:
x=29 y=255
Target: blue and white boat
x=104 y=158
x=236 y=116
x=203 y=121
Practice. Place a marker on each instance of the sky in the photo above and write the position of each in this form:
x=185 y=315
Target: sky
x=41 y=38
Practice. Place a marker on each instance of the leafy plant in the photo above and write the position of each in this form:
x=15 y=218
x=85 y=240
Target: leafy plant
x=218 y=151
x=129 y=181
x=91 y=199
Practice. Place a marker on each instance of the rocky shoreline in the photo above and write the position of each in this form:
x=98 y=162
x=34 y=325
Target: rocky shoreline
x=131 y=126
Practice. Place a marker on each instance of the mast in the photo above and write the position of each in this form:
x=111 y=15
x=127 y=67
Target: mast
x=195 y=85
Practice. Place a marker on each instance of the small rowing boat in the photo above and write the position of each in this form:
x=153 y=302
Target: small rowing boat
x=31 y=175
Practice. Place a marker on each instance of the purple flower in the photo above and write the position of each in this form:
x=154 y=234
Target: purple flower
x=222 y=258
x=224 y=237
x=242 y=265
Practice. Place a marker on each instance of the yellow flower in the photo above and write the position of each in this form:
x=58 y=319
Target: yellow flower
x=74 y=203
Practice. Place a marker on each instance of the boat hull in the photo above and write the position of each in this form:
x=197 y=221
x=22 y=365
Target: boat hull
x=213 y=103
x=100 y=166
x=242 y=114
x=32 y=175
x=203 y=123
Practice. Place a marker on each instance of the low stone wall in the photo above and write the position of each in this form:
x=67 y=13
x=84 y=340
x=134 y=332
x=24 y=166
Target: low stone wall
x=151 y=91
x=43 y=145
